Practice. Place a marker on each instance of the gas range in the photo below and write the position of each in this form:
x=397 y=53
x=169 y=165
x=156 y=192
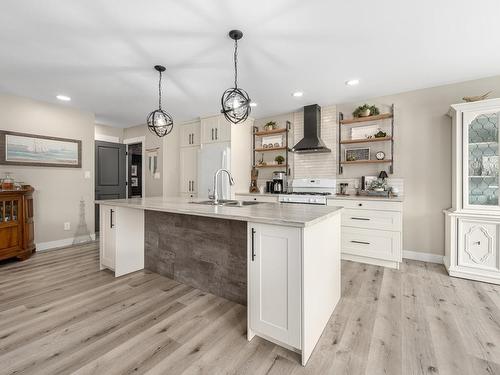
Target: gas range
x=308 y=191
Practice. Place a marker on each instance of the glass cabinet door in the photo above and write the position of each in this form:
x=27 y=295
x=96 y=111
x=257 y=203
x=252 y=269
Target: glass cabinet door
x=481 y=164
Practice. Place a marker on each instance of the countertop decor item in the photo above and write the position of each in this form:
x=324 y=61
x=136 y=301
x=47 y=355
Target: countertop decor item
x=380 y=155
x=235 y=101
x=254 y=175
x=380 y=134
x=476 y=98
x=279 y=159
x=39 y=150
x=366 y=110
x=160 y=122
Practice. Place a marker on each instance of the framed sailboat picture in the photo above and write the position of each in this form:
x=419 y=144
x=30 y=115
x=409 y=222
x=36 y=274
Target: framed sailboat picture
x=39 y=150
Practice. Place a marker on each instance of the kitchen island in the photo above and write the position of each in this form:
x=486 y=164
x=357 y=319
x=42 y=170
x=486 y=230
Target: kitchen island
x=282 y=261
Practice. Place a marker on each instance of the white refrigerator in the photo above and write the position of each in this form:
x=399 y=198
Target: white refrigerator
x=212 y=157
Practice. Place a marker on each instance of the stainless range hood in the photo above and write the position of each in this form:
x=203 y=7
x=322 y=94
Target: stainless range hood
x=311 y=143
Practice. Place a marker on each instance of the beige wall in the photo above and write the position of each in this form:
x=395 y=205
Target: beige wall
x=423 y=156
x=107 y=133
x=58 y=190
x=154 y=187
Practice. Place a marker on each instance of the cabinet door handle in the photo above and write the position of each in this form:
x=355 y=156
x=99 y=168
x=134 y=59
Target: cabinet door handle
x=361 y=242
x=216 y=136
x=111 y=223
x=253 y=244
x=360 y=218
x=189 y=185
x=212 y=134
x=360 y=204
x=189 y=139
x=477 y=243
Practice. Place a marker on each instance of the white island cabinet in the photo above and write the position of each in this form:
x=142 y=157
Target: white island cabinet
x=121 y=239
x=293 y=282
x=292 y=258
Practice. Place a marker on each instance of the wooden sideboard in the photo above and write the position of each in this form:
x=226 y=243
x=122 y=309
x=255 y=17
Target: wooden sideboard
x=16 y=224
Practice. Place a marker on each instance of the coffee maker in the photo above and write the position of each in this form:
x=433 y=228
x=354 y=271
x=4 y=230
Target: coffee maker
x=279 y=182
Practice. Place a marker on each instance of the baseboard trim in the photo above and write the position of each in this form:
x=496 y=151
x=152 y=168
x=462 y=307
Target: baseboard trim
x=44 y=246
x=423 y=257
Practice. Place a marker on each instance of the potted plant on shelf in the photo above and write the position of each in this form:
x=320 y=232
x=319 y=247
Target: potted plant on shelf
x=366 y=110
x=270 y=126
x=279 y=159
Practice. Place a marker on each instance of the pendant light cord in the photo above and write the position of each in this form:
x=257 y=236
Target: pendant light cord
x=236 y=63
x=159 y=92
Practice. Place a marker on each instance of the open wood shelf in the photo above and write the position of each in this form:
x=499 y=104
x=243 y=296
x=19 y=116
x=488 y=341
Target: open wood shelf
x=269 y=132
x=367 y=140
x=269 y=149
x=356 y=120
x=272 y=166
x=366 y=161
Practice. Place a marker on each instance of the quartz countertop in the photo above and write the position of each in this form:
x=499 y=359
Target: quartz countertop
x=366 y=198
x=300 y=215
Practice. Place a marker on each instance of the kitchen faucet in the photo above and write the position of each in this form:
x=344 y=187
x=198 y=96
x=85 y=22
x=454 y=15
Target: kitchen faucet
x=216 y=177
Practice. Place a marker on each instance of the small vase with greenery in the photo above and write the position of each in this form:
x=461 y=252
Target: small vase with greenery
x=378 y=185
x=366 y=110
x=279 y=159
x=270 y=126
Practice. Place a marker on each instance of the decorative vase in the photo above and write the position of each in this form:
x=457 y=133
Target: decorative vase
x=364 y=112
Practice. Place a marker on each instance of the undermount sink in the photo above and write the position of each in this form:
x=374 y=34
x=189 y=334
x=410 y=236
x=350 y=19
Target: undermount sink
x=228 y=202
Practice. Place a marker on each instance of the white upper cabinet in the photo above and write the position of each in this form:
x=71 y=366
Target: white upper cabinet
x=190 y=134
x=215 y=129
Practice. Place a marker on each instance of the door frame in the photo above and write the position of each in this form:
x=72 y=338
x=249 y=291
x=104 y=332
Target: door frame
x=142 y=141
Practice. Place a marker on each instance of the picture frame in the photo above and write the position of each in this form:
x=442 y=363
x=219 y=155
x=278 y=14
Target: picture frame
x=355 y=154
x=33 y=150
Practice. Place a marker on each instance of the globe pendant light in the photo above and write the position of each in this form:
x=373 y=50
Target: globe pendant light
x=235 y=101
x=160 y=122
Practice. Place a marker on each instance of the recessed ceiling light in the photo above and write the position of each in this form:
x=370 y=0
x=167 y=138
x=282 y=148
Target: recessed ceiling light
x=253 y=104
x=352 y=82
x=64 y=98
x=298 y=94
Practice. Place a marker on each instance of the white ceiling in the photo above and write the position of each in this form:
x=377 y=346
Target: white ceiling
x=101 y=53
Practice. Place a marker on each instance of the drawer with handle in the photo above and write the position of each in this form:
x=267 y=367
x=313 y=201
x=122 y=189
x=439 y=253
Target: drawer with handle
x=371 y=219
x=372 y=243
x=366 y=204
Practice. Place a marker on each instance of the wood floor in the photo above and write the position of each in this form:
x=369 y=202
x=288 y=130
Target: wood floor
x=59 y=314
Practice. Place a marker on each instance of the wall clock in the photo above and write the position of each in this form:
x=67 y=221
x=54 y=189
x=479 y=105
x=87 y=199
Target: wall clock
x=380 y=155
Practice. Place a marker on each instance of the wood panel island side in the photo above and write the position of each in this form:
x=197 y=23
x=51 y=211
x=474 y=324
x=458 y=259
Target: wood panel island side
x=282 y=261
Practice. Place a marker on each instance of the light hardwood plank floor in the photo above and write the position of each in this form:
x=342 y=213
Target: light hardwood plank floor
x=60 y=315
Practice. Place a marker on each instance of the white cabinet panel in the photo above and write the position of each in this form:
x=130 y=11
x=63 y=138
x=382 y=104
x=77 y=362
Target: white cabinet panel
x=376 y=244
x=479 y=245
x=209 y=129
x=188 y=170
x=190 y=134
x=275 y=282
x=108 y=236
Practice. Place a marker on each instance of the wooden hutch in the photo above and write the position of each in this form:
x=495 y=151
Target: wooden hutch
x=16 y=224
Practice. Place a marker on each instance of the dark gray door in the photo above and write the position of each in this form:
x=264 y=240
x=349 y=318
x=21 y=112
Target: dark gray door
x=110 y=166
